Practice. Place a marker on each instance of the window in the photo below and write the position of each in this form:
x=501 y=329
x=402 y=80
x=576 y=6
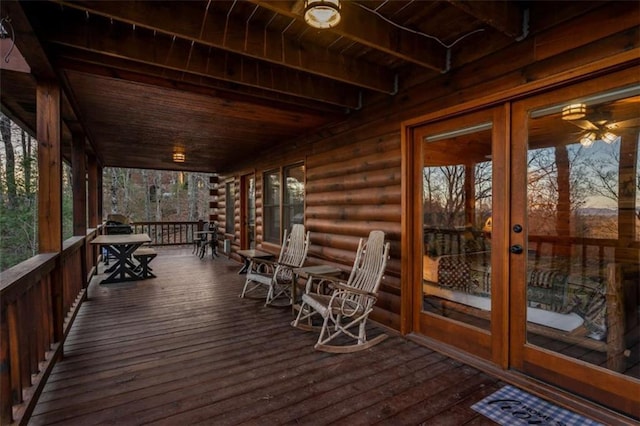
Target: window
x=293 y=198
x=271 y=206
x=229 y=208
x=292 y=195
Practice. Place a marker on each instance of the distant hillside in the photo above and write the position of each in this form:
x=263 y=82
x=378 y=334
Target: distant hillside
x=594 y=211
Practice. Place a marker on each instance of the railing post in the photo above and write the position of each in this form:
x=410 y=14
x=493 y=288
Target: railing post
x=6 y=401
x=57 y=302
x=15 y=360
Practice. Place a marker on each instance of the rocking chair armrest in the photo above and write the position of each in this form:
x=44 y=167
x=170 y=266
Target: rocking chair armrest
x=324 y=277
x=320 y=281
x=286 y=265
x=340 y=286
x=342 y=299
x=267 y=262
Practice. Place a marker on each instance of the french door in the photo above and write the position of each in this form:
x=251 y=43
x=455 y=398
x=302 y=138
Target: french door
x=575 y=195
x=525 y=225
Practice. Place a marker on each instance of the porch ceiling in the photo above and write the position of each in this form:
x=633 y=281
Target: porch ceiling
x=224 y=79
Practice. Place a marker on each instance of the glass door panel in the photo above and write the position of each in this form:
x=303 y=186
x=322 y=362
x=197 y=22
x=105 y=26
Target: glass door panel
x=455 y=177
x=582 y=201
x=575 y=297
x=457 y=185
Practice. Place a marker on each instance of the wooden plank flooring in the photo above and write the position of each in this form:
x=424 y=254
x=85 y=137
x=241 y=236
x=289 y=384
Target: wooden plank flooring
x=183 y=349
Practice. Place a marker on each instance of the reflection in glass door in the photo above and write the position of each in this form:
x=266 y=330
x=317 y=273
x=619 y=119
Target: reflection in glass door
x=457 y=198
x=581 y=198
x=576 y=318
x=457 y=224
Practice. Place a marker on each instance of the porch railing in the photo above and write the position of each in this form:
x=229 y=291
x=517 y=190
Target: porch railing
x=168 y=233
x=39 y=299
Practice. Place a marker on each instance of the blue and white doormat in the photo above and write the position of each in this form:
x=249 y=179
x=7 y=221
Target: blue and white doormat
x=511 y=406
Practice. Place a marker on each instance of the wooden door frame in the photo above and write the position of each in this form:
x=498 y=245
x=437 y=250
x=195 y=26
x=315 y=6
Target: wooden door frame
x=491 y=345
x=244 y=209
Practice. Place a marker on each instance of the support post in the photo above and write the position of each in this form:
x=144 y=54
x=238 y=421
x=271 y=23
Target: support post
x=100 y=198
x=93 y=192
x=79 y=169
x=50 y=190
x=49 y=168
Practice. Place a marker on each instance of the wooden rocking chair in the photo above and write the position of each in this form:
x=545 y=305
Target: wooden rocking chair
x=278 y=276
x=349 y=303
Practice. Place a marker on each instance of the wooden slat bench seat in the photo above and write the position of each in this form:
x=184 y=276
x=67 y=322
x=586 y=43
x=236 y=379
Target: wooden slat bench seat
x=145 y=255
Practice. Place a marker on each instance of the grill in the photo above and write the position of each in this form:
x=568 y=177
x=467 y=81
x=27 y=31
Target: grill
x=117 y=229
x=117 y=224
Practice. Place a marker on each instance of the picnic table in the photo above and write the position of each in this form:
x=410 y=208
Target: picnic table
x=121 y=247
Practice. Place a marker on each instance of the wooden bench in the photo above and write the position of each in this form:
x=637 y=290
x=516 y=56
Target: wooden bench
x=145 y=255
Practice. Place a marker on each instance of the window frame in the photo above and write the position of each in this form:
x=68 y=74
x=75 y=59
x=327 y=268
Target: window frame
x=288 y=209
x=274 y=207
x=271 y=206
x=230 y=198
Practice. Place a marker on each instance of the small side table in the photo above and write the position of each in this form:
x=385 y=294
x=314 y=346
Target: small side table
x=309 y=272
x=247 y=255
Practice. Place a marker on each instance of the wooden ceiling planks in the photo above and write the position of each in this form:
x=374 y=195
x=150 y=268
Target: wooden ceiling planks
x=223 y=76
x=226 y=128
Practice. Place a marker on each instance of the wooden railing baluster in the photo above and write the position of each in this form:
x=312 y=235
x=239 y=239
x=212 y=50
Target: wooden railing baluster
x=167 y=233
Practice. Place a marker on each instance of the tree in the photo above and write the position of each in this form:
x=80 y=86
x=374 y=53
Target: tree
x=10 y=165
x=155 y=195
x=18 y=213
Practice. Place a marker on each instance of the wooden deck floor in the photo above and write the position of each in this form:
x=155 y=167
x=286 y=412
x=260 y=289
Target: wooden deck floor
x=183 y=349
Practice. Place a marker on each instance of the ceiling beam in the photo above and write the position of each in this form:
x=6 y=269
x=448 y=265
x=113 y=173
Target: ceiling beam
x=364 y=26
x=504 y=16
x=223 y=32
x=142 y=46
x=26 y=41
x=29 y=47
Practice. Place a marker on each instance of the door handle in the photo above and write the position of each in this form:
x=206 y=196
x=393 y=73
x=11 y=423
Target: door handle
x=516 y=249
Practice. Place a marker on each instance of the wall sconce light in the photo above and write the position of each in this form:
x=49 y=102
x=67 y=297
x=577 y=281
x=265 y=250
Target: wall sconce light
x=178 y=157
x=322 y=14
x=574 y=112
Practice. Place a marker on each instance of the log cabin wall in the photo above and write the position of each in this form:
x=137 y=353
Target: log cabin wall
x=353 y=168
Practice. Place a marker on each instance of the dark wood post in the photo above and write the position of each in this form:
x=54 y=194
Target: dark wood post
x=5 y=377
x=627 y=195
x=79 y=184
x=93 y=192
x=100 y=197
x=50 y=190
x=49 y=168
x=469 y=195
x=616 y=319
x=563 y=213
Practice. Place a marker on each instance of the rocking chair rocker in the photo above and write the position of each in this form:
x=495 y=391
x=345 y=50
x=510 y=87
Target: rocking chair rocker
x=278 y=276
x=349 y=303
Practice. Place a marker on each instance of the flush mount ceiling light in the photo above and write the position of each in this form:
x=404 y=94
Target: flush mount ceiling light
x=178 y=157
x=322 y=14
x=588 y=139
x=608 y=137
x=574 y=112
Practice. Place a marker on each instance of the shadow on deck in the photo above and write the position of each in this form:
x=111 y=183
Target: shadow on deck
x=182 y=349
